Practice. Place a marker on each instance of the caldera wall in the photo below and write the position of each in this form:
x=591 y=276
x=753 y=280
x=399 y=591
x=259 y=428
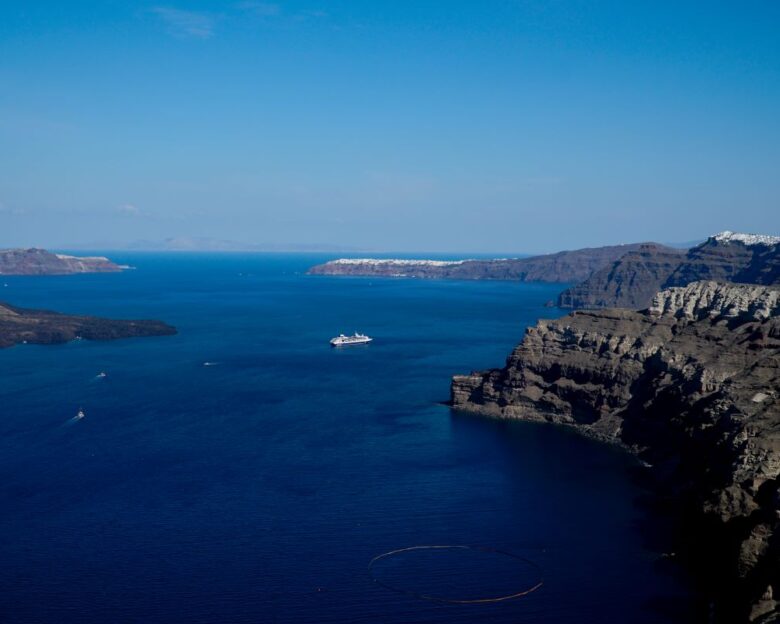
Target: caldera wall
x=693 y=386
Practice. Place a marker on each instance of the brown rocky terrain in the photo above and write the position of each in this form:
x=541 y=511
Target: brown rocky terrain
x=631 y=281
x=561 y=267
x=20 y=325
x=692 y=385
x=41 y=262
x=728 y=258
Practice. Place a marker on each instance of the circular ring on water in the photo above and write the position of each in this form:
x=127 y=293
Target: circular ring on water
x=483 y=549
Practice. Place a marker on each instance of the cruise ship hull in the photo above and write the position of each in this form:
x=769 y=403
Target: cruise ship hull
x=347 y=341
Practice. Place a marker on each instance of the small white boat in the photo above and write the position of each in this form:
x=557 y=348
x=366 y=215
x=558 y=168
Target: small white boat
x=102 y=374
x=80 y=414
x=341 y=340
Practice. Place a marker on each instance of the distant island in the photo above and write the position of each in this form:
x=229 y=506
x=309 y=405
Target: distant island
x=691 y=384
x=21 y=325
x=35 y=261
x=602 y=277
x=561 y=267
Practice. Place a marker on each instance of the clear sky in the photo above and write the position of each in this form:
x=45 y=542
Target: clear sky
x=482 y=126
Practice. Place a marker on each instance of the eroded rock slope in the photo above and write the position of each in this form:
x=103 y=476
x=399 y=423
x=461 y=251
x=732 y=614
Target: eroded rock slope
x=692 y=385
x=632 y=280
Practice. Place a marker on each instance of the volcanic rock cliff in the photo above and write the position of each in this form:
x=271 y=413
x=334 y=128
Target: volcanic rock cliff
x=561 y=267
x=42 y=262
x=20 y=325
x=739 y=258
x=692 y=385
x=631 y=281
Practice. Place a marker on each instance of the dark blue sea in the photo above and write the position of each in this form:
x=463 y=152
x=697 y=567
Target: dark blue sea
x=259 y=488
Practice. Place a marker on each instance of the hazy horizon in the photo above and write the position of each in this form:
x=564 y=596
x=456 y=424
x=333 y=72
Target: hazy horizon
x=513 y=127
x=197 y=245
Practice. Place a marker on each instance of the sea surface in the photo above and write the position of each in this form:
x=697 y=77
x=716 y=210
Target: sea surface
x=259 y=488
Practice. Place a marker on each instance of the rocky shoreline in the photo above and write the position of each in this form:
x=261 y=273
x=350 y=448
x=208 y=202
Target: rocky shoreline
x=692 y=386
x=21 y=325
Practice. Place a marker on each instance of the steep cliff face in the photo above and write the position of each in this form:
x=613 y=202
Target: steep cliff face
x=717 y=300
x=731 y=257
x=632 y=280
x=629 y=282
x=561 y=267
x=692 y=385
x=42 y=262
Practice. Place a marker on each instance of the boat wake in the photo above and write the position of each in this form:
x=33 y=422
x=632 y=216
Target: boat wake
x=520 y=592
x=77 y=418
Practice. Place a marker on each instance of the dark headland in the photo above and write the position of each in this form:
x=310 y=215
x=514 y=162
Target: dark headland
x=20 y=325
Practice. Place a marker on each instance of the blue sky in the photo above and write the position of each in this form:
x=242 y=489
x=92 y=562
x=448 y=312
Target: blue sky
x=490 y=126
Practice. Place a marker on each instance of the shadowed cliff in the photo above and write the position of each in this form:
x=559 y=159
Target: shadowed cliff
x=632 y=280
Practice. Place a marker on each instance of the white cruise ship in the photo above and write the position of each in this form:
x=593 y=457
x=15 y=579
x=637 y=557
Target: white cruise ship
x=342 y=340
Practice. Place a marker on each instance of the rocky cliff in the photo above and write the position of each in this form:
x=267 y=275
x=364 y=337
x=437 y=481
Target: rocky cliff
x=692 y=385
x=561 y=267
x=731 y=257
x=629 y=282
x=632 y=280
x=20 y=325
x=42 y=262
